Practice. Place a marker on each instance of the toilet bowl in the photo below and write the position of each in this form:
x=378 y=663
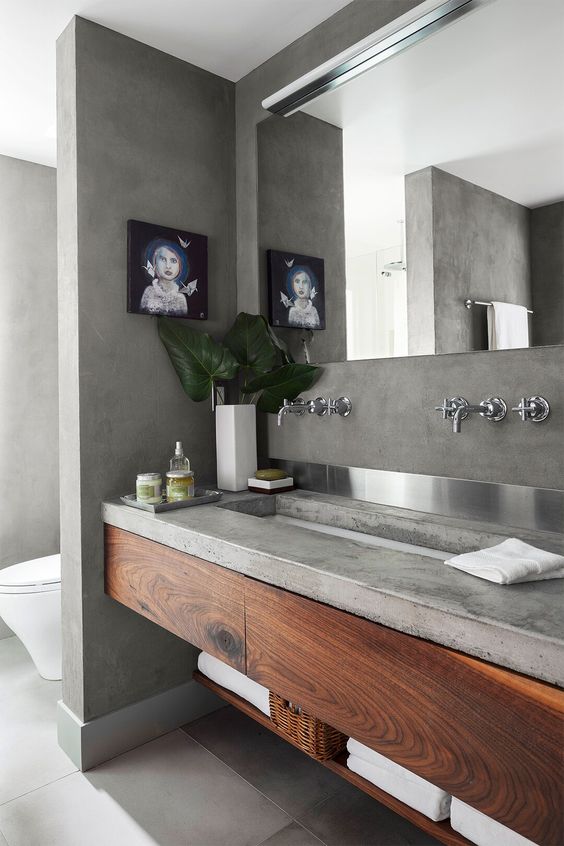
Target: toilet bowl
x=30 y=604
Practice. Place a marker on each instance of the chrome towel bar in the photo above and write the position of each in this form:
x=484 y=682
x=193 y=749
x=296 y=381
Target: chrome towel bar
x=470 y=303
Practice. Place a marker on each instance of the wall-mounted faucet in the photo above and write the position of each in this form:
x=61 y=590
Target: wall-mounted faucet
x=458 y=409
x=298 y=407
x=320 y=406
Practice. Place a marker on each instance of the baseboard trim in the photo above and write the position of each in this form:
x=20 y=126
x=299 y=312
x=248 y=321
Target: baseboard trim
x=91 y=743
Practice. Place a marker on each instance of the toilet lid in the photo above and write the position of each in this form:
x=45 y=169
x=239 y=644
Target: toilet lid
x=29 y=576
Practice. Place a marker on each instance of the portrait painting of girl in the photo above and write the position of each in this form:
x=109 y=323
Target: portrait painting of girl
x=296 y=290
x=167 y=271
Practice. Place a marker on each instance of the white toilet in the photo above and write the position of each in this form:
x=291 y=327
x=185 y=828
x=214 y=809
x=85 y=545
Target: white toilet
x=30 y=604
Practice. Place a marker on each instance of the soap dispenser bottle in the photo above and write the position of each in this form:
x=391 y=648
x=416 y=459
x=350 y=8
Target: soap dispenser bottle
x=179 y=460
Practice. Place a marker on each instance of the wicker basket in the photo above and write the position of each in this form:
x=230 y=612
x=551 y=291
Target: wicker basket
x=312 y=735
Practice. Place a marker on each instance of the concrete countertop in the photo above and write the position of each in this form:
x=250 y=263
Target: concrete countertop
x=517 y=626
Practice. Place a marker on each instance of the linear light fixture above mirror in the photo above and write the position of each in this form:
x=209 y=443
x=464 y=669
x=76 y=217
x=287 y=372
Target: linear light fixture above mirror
x=425 y=19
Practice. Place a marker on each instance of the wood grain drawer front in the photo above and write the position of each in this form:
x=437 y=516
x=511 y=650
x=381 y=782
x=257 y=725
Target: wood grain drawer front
x=198 y=601
x=491 y=737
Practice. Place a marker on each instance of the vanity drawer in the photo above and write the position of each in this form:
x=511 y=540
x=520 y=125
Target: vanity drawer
x=198 y=601
x=489 y=736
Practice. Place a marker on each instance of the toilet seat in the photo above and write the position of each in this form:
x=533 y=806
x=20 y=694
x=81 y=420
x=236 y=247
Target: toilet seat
x=37 y=576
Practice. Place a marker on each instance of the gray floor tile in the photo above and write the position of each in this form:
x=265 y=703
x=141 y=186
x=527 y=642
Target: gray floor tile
x=181 y=795
x=69 y=812
x=3 y=841
x=288 y=777
x=293 y=835
x=351 y=818
x=29 y=752
x=17 y=669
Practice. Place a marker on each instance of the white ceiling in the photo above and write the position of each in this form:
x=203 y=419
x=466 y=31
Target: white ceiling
x=482 y=99
x=227 y=37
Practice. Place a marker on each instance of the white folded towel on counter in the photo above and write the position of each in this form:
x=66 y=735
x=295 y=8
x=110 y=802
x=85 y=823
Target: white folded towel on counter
x=509 y=562
x=397 y=781
x=483 y=830
x=234 y=681
x=508 y=326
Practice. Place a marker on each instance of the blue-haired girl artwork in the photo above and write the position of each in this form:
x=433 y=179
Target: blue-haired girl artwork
x=167 y=271
x=296 y=290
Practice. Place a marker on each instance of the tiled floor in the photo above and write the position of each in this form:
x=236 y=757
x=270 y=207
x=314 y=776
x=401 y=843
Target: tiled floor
x=222 y=781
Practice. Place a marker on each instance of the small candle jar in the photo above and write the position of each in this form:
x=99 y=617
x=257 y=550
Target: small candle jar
x=179 y=485
x=149 y=487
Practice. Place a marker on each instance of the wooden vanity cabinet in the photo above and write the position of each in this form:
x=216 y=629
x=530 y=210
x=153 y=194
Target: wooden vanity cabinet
x=198 y=601
x=487 y=735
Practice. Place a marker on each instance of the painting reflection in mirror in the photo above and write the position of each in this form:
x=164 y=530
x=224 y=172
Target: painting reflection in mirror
x=296 y=290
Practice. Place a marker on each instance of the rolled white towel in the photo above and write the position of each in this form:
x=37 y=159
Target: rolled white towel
x=399 y=782
x=510 y=562
x=235 y=681
x=481 y=829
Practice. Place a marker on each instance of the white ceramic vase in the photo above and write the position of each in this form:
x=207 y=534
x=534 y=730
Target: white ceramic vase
x=236 y=445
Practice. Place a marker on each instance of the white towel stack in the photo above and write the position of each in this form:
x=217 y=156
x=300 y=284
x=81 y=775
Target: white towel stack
x=483 y=830
x=509 y=562
x=508 y=326
x=397 y=781
x=235 y=681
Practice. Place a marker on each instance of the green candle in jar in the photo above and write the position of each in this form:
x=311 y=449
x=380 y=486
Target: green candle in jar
x=179 y=485
x=148 y=487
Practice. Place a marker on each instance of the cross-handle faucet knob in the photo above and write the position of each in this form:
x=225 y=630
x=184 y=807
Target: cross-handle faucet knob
x=341 y=406
x=494 y=409
x=444 y=408
x=318 y=406
x=449 y=407
x=536 y=409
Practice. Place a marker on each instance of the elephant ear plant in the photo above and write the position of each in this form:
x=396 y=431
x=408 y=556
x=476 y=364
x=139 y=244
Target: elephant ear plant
x=251 y=355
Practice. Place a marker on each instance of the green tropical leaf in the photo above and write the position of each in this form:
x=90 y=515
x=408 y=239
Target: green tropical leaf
x=250 y=342
x=286 y=382
x=281 y=346
x=198 y=360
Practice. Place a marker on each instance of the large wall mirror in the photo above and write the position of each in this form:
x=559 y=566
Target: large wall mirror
x=431 y=186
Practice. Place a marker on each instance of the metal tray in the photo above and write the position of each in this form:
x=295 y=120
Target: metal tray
x=201 y=497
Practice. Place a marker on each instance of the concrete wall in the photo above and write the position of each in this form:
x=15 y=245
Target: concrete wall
x=301 y=208
x=29 y=446
x=547 y=270
x=480 y=250
x=142 y=135
x=393 y=426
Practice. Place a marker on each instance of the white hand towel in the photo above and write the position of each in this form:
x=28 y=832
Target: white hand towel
x=509 y=562
x=508 y=326
x=413 y=791
x=481 y=829
x=235 y=681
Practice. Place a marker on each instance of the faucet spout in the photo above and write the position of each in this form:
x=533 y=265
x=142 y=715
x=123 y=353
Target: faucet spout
x=462 y=412
x=493 y=408
x=282 y=411
x=296 y=407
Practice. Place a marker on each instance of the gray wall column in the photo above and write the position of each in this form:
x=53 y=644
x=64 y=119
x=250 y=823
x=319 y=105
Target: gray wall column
x=475 y=244
x=420 y=268
x=142 y=135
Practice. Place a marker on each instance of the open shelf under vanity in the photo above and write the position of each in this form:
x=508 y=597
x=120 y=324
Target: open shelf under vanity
x=442 y=831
